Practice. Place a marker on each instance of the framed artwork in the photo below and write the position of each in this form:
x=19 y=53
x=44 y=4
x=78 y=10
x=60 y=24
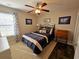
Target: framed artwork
x=47 y=20
x=28 y=21
x=64 y=20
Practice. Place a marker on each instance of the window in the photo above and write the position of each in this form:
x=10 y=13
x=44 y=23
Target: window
x=7 y=24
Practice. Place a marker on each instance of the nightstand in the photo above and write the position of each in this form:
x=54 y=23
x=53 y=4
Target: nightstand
x=62 y=36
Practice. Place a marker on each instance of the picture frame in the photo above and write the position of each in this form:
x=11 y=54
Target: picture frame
x=47 y=20
x=28 y=21
x=64 y=20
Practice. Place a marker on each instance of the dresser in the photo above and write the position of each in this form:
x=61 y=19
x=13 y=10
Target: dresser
x=62 y=36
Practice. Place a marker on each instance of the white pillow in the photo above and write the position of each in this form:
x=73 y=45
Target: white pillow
x=51 y=31
x=42 y=31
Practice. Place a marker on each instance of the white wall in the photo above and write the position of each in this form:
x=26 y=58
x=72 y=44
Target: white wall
x=21 y=20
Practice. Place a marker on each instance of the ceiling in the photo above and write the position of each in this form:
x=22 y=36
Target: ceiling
x=52 y=4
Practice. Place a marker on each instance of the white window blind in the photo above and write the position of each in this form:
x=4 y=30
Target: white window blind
x=7 y=24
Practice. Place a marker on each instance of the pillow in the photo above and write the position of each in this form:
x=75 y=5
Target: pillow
x=40 y=31
x=43 y=30
x=48 y=29
x=51 y=31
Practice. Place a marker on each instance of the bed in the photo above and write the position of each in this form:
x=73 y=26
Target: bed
x=38 y=40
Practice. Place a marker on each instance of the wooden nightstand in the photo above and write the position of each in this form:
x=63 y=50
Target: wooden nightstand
x=62 y=36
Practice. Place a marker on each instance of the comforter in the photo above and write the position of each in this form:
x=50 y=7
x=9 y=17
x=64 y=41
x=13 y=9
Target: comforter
x=36 y=41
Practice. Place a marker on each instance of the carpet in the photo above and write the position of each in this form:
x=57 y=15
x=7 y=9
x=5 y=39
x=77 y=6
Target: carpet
x=62 y=51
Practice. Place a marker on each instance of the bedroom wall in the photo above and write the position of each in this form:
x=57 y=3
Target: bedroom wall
x=55 y=14
x=21 y=16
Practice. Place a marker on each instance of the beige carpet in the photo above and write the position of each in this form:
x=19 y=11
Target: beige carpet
x=21 y=51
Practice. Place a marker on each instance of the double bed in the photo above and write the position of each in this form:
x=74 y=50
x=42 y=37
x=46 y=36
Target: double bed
x=38 y=40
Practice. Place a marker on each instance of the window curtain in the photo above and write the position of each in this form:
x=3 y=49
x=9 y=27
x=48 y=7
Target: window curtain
x=16 y=27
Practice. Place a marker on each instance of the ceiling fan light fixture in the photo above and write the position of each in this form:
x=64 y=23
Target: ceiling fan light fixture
x=37 y=11
x=38 y=8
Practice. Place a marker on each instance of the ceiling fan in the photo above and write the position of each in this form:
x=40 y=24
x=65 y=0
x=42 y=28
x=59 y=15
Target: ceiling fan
x=38 y=8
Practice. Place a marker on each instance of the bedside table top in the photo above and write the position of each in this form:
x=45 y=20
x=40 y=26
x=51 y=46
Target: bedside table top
x=62 y=34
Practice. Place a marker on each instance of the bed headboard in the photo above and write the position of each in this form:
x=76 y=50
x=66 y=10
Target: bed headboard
x=47 y=25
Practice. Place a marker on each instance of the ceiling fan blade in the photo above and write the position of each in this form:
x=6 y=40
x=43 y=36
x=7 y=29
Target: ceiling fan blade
x=44 y=4
x=45 y=10
x=30 y=11
x=29 y=6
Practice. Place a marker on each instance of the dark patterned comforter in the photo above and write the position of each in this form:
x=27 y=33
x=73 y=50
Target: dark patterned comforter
x=41 y=40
